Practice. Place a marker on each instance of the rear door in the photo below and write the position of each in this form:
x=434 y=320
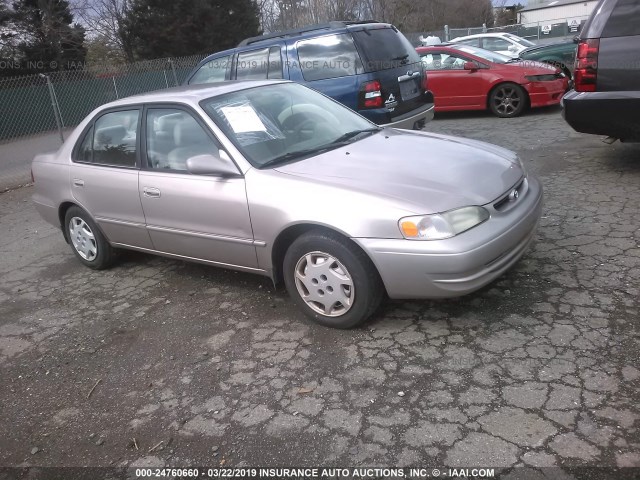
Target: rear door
x=389 y=57
x=104 y=175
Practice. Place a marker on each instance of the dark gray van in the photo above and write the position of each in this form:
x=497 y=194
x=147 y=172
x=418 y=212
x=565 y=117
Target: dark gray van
x=606 y=95
x=368 y=66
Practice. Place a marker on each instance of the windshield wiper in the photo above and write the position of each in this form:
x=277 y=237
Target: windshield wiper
x=338 y=142
x=401 y=57
x=287 y=157
x=349 y=135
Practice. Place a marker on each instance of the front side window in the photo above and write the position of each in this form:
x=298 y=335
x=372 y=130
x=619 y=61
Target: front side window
x=213 y=71
x=173 y=136
x=112 y=140
x=330 y=56
x=443 y=61
x=284 y=122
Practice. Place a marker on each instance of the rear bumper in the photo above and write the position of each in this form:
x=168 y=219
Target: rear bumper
x=408 y=120
x=614 y=114
x=462 y=264
x=422 y=114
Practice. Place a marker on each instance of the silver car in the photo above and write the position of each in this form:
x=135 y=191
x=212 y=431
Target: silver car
x=277 y=179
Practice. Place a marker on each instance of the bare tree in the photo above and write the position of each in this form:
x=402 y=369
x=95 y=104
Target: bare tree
x=106 y=19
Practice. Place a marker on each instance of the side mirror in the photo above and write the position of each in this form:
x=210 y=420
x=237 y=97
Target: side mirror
x=576 y=39
x=470 y=66
x=207 y=164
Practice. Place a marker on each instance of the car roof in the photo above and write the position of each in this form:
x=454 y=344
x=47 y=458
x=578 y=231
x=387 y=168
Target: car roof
x=313 y=31
x=478 y=35
x=191 y=93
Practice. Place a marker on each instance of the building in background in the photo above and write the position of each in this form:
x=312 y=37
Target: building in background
x=551 y=12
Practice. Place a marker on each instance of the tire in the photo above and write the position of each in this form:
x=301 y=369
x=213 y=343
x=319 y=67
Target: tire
x=87 y=241
x=507 y=100
x=343 y=291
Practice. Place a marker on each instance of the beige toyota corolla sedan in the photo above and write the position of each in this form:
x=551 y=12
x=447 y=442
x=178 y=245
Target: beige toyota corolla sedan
x=277 y=179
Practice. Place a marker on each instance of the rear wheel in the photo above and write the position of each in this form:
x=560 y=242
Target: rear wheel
x=331 y=280
x=87 y=241
x=507 y=100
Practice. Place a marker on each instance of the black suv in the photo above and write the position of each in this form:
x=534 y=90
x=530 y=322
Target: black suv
x=370 y=67
x=606 y=95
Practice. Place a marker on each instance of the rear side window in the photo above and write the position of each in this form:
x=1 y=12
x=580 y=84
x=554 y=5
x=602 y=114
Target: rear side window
x=330 y=56
x=253 y=65
x=624 y=20
x=213 y=71
x=495 y=44
x=114 y=139
x=384 y=48
x=111 y=141
x=473 y=42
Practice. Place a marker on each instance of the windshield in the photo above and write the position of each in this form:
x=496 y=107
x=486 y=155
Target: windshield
x=482 y=53
x=284 y=122
x=522 y=41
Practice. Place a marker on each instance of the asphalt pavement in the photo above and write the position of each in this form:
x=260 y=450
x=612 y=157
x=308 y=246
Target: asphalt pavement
x=158 y=362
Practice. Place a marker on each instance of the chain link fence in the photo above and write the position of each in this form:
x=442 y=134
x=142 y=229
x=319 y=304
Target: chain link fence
x=58 y=100
x=556 y=29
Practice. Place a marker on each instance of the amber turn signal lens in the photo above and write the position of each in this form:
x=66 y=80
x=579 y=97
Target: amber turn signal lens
x=409 y=229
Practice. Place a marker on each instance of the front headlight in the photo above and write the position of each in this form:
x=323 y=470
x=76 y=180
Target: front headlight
x=442 y=225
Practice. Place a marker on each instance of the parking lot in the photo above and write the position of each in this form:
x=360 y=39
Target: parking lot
x=159 y=362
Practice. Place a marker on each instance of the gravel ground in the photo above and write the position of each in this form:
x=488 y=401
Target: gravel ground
x=539 y=369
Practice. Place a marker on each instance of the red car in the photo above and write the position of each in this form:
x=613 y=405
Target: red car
x=463 y=77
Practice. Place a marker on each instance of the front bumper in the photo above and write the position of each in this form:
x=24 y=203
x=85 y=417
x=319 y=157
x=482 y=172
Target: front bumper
x=543 y=94
x=462 y=264
x=614 y=114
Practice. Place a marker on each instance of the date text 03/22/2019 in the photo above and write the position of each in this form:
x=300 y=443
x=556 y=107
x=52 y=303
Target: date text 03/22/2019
x=326 y=473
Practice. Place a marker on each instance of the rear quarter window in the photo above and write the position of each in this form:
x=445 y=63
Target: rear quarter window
x=212 y=71
x=330 y=56
x=624 y=20
x=384 y=48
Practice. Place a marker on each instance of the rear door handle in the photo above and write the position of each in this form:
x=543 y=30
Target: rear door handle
x=78 y=182
x=151 y=192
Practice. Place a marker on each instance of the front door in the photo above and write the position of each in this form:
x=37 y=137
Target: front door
x=194 y=216
x=453 y=87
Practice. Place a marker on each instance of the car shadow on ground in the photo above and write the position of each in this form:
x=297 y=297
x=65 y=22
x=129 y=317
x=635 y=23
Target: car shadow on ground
x=469 y=114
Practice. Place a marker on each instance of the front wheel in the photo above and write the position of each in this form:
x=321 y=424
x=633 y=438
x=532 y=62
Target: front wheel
x=87 y=241
x=331 y=280
x=507 y=100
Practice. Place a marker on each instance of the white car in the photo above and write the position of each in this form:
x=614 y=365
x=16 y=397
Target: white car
x=504 y=43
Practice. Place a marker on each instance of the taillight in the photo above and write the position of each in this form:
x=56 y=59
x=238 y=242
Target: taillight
x=585 y=75
x=371 y=95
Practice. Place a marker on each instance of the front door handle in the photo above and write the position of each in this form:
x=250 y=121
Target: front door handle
x=78 y=182
x=151 y=192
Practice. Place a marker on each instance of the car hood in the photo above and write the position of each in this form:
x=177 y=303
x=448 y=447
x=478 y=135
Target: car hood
x=532 y=67
x=426 y=172
x=546 y=47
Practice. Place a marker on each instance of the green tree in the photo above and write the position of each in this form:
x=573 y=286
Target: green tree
x=167 y=28
x=49 y=40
